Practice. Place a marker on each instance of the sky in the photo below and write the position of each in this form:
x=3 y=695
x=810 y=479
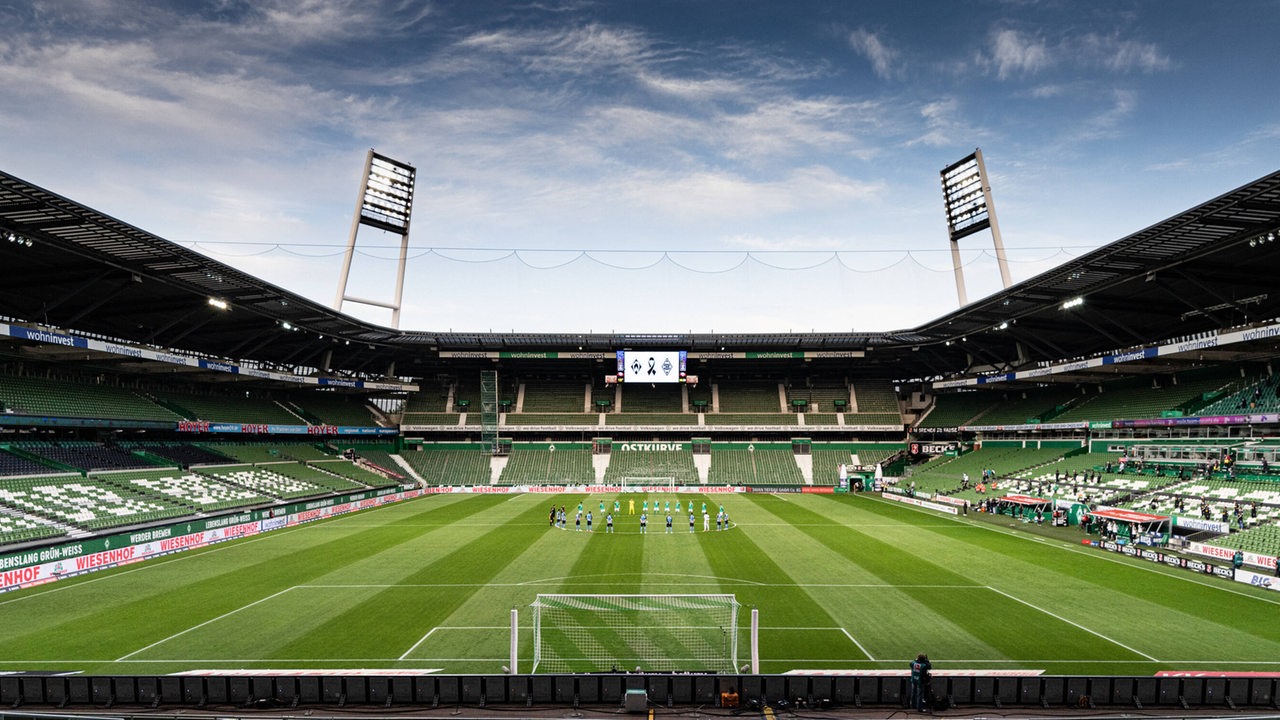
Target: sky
x=640 y=166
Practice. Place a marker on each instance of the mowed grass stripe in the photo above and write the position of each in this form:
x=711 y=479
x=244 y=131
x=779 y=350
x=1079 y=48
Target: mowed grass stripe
x=741 y=553
x=888 y=623
x=537 y=566
x=388 y=622
x=970 y=623
x=1108 y=593
x=104 y=621
x=617 y=557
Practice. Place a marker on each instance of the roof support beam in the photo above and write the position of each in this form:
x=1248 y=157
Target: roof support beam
x=103 y=300
x=78 y=289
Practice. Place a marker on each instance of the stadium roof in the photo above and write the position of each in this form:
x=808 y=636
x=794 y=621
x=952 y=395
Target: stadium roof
x=1210 y=267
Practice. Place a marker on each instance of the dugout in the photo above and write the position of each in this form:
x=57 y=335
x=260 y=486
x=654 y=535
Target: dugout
x=1024 y=506
x=1132 y=526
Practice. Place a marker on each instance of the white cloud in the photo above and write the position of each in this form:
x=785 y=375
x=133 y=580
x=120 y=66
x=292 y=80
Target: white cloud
x=943 y=127
x=1117 y=55
x=884 y=59
x=709 y=194
x=584 y=50
x=1015 y=53
x=1107 y=122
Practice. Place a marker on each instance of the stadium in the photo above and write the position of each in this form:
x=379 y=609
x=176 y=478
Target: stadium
x=220 y=494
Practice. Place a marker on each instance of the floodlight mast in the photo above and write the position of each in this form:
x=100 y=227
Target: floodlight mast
x=966 y=196
x=385 y=202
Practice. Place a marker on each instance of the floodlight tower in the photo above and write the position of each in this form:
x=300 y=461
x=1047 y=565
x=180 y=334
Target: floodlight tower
x=966 y=195
x=385 y=201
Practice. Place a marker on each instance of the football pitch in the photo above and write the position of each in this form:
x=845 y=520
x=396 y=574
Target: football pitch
x=840 y=582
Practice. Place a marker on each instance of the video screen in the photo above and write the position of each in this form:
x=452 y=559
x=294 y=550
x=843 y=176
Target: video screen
x=652 y=366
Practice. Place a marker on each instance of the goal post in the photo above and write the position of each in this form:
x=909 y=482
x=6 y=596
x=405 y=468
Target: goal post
x=630 y=481
x=655 y=633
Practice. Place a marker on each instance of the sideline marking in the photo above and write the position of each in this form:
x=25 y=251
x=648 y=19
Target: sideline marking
x=1071 y=547
x=206 y=622
x=1074 y=624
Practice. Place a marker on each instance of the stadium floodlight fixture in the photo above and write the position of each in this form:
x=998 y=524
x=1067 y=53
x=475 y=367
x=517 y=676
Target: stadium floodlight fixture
x=1074 y=302
x=969 y=208
x=384 y=202
x=218 y=303
x=286 y=326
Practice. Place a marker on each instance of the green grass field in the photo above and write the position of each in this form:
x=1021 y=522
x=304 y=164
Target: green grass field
x=841 y=582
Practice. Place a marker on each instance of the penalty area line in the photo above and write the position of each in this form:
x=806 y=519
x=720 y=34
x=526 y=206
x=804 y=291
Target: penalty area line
x=447 y=627
x=420 y=641
x=854 y=640
x=206 y=622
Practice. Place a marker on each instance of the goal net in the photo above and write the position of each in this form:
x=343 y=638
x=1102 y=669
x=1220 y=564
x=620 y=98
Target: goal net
x=666 y=481
x=599 y=633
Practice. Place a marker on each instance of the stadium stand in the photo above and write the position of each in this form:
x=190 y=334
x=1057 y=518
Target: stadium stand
x=61 y=398
x=448 y=466
x=1257 y=396
x=200 y=491
x=955 y=409
x=1137 y=398
x=17 y=528
x=320 y=408
x=267 y=451
x=543 y=466
x=874 y=397
x=84 y=503
x=12 y=464
x=430 y=398
x=466 y=393
x=749 y=397
x=1029 y=406
x=827 y=460
x=945 y=474
x=700 y=397
x=344 y=472
x=639 y=462
x=558 y=395
x=285 y=481
x=526 y=418
x=1262 y=539
x=436 y=418
x=378 y=454
x=83 y=454
x=227 y=408
x=757 y=466
x=183 y=454
x=650 y=418
x=821 y=395
x=760 y=418
x=658 y=398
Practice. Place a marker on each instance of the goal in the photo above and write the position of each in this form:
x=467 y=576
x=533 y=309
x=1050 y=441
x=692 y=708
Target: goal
x=629 y=481
x=599 y=633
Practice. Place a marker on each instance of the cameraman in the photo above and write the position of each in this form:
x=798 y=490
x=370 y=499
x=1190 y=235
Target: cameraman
x=921 y=692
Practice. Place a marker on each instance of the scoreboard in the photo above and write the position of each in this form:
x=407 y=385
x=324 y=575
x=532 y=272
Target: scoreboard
x=652 y=366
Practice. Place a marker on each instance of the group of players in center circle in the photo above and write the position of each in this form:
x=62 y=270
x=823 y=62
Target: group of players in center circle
x=559 y=518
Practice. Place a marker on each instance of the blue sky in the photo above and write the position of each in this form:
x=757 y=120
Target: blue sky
x=640 y=166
